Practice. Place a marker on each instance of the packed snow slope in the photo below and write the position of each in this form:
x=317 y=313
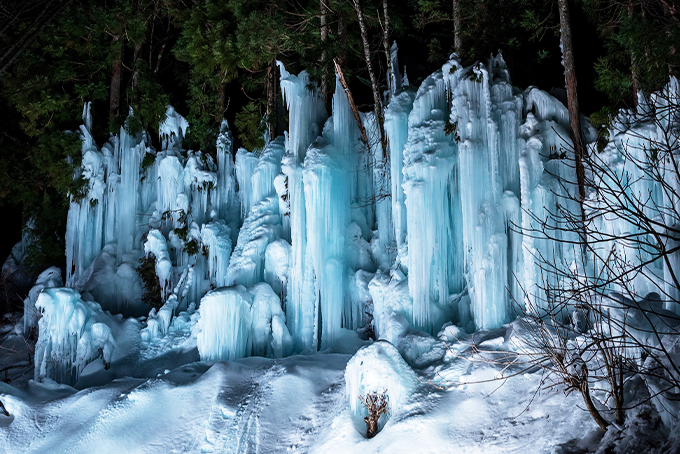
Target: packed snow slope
x=293 y=404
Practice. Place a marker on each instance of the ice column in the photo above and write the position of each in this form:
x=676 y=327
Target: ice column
x=486 y=115
x=129 y=152
x=216 y=238
x=544 y=136
x=433 y=208
x=85 y=222
x=396 y=129
x=226 y=191
x=327 y=198
x=306 y=113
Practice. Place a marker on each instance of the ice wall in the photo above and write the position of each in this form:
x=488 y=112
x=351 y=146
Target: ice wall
x=131 y=190
x=85 y=223
x=545 y=180
x=429 y=234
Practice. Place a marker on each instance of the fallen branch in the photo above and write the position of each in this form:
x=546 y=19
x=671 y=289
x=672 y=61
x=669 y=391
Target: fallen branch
x=353 y=106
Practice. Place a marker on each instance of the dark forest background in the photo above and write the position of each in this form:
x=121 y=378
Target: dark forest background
x=214 y=59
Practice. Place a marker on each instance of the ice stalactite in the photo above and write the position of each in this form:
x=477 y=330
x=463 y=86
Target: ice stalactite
x=245 y=165
x=200 y=178
x=262 y=223
x=327 y=197
x=277 y=266
x=306 y=113
x=85 y=223
x=129 y=153
x=216 y=238
x=431 y=186
x=225 y=193
x=261 y=227
x=396 y=129
x=156 y=244
x=256 y=171
x=380 y=196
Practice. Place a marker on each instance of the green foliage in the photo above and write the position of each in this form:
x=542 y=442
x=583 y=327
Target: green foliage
x=641 y=40
x=152 y=285
x=451 y=129
x=250 y=126
x=191 y=247
x=601 y=121
x=148 y=161
x=182 y=232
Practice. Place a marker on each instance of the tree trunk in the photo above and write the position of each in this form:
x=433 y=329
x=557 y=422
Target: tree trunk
x=342 y=37
x=116 y=73
x=374 y=80
x=371 y=426
x=585 y=392
x=350 y=99
x=271 y=99
x=221 y=99
x=391 y=80
x=572 y=106
x=634 y=70
x=325 y=90
x=457 y=38
x=134 y=83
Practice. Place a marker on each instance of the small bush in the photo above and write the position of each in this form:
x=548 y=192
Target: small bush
x=150 y=281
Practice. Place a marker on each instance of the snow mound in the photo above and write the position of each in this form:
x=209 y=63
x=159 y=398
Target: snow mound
x=73 y=333
x=378 y=368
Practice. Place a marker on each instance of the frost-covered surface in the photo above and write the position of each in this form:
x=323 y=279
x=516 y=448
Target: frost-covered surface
x=168 y=403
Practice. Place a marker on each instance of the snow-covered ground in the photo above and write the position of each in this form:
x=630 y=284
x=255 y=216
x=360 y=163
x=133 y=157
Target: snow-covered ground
x=163 y=400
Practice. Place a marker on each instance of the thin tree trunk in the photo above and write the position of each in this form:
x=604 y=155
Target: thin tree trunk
x=116 y=73
x=271 y=99
x=374 y=80
x=159 y=59
x=134 y=83
x=573 y=107
x=350 y=99
x=325 y=90
x=635 y=71
x=585 y=392
x=342 y=37
x=457 y=38
x=391 y=80
x=221 y=98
